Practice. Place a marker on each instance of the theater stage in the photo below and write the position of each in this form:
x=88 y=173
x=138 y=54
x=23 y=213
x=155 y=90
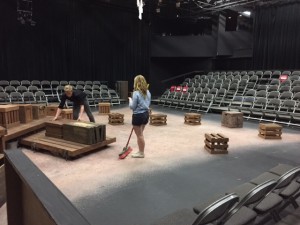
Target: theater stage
x=176 y=173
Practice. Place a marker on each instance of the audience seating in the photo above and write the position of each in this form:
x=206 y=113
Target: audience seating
x=261 y=95
x=45 y=91
x=258 y=201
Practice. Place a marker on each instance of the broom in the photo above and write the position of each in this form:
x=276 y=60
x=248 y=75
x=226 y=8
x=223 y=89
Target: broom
x=127 y=149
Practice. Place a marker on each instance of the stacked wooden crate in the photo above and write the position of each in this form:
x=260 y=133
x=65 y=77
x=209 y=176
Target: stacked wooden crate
x=192 y=118
x=158 y=119
x=116 y=118
x=270 y=131
x=216 y=143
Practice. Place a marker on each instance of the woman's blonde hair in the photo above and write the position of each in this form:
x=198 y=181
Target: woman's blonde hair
x=140 y=84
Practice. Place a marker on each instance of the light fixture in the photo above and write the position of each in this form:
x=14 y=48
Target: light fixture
x=246 y=13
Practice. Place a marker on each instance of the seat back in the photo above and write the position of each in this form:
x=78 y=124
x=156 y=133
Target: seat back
x=216 y=210
x=252 y=197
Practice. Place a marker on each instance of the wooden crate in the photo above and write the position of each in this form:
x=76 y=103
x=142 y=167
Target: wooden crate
x=100 y=131
x=270 y=131
x=3 y=131
x=116 y=119
x=104 y=108
x=84 y=132
x=232 y=119
x=216 y=143
x=9 y=116
x=192 y=118
x=158 y=119
x=38 y=111
x=67 y=114
x=25 y=113
x=51 y=110
x=54 y=128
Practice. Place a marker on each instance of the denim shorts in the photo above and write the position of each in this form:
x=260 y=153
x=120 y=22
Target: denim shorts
x=140 y=118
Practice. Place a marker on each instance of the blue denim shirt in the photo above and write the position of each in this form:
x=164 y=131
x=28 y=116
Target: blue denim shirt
x=139 y=104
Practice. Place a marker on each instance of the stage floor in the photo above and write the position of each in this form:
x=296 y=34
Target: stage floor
x=176 y=173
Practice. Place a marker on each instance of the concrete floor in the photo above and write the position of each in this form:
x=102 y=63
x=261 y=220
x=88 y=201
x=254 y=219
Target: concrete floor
x=176 y=173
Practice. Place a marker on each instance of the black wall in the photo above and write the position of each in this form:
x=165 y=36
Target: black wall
x=73 y=40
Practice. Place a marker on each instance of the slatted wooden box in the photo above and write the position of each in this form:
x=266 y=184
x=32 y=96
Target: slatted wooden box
x=116 y=119
x=270 y=131
x=25 y=113
x=38 y=111
x=67 y=114
x=232 y=119
x=192 y=118
x=158 y=119
x=54 y=128
x=9 y=116
x=83 y=132
x=216 y=143
x=51 y=110
x=104 y=108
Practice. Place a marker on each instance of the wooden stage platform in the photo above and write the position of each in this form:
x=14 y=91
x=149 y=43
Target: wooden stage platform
x=21 y=130
x=66 y=149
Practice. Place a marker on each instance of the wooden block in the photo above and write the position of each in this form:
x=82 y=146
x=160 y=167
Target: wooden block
x=104 y=108
x=67 y=114
x=54 y=128
x=38 y=111
x=9 y=116
x=83 y=132
x=51 y=110
x=25 y=113
x=270 y=131
x=232 y=119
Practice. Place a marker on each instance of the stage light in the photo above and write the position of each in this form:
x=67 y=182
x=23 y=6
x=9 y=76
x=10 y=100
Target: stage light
x=246 y=13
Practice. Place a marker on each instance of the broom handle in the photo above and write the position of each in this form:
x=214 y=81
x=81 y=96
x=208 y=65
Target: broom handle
x=129 y=137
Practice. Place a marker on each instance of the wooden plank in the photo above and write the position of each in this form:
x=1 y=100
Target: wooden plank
x=212 y=151
x=269 y=126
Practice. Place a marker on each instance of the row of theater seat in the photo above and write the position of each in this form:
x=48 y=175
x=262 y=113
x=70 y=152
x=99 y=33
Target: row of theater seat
x=33 y=94
x=277 y=101
x=256 y=202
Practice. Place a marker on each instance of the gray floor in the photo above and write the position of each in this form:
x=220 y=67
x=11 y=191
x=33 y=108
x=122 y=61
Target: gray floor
x=152 y=195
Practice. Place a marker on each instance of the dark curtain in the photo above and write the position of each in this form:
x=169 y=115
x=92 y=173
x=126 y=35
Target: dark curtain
x=73 y=40
x=277 y=35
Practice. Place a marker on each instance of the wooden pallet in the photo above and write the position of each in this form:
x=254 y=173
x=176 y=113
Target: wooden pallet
x=66 y=149
x=270 y=131
x=216 y=143
x=67 y=114
x=192 y=118
x=116 y=119
x=158 y=119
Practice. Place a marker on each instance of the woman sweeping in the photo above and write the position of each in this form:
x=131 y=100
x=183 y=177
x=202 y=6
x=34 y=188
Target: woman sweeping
x=139 y=103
